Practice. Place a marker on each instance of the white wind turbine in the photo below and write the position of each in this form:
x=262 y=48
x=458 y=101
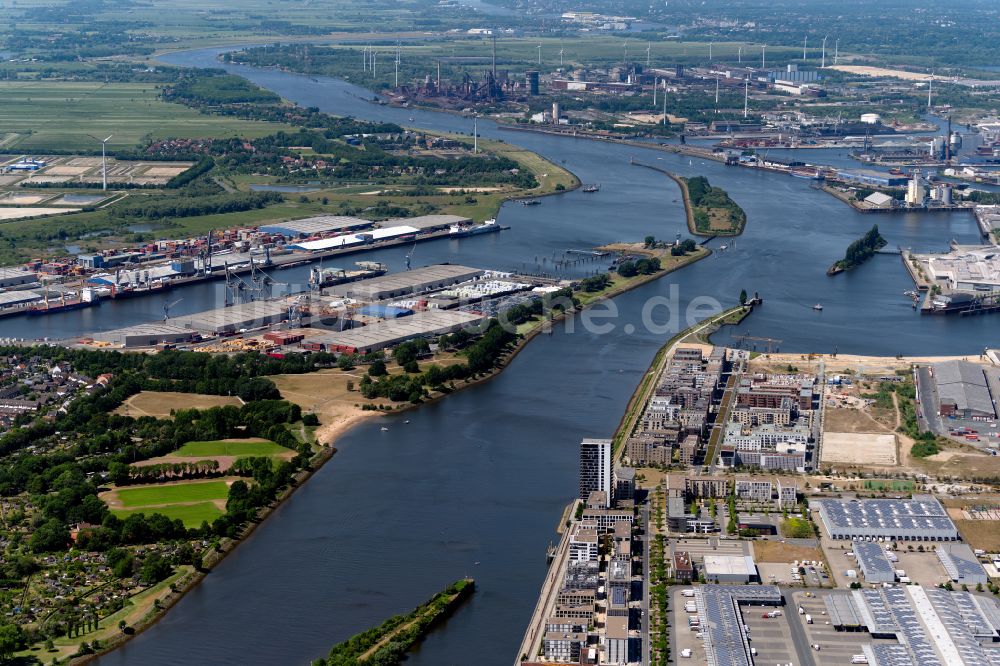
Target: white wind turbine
x=104 y=159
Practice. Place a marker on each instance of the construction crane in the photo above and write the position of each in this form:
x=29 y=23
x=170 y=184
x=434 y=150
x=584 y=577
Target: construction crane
x=409 y=255
x=167 y=306
x=747 y=341
x=295 y=313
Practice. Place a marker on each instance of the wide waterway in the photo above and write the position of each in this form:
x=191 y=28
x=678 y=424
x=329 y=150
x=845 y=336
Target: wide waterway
x=474 y=484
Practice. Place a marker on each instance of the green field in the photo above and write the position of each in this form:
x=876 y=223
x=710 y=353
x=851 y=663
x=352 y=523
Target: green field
x=222 y=448
x=192 y=515
x=58 y=115
x=201 y=491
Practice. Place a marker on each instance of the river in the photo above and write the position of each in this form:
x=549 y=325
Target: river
x=474 y=484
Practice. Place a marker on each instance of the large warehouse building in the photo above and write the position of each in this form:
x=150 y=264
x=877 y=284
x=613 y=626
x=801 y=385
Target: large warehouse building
x=234 y=318
x=429 y=323
x=962 y=390
x=729 y=569
x=407 y=283
x=328 y=224
x=919 y=519
x=15 y=277
x=874 y=564
x=918 y=626
x=147 y=335
x=314 y=226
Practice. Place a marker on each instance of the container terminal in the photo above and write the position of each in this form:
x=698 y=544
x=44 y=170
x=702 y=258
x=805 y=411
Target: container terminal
x=355 y=317
x=83 y=281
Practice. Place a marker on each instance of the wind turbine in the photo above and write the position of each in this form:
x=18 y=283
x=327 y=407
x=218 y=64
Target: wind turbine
x=823 y=65
x=626 y=52
x=836 y=51
x=561 y=57
x=805 y=44
x=710 y=51
x=104 y=159
x=763 y=50
x=746 y=96
x=539 y=55
x=648 y=47
x=739 y=55
x=656 y=82
x=930 y=89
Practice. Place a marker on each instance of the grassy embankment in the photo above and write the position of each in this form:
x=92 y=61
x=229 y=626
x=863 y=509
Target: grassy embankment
x=389 y=642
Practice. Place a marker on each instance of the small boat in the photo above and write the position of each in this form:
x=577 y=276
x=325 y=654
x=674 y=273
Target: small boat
x=722 y=248
x=531 y=202
x=592 y=188
x=384 y=429
x=411 y=119
x=406 y=421
x=817 y=307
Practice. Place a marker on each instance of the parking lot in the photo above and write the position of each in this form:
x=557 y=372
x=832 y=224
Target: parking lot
x=836 y=647
x=682 y=637
x=770 y=637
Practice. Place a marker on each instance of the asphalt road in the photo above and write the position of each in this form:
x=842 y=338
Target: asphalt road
x=927 y=416
x=646 y=569
x=799 y=638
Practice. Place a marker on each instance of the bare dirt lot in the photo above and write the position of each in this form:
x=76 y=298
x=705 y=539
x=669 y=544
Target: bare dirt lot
x=776 y=551
x=983 y=534
x=159 y=404
x=859 y=448
x=847 y=419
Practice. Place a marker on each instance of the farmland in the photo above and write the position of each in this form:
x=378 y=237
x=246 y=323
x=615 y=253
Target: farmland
x=59 y=116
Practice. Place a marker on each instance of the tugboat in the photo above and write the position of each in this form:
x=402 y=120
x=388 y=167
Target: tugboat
x=817 y=307
x=595 y=187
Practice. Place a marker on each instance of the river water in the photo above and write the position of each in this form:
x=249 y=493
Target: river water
x=474 y=485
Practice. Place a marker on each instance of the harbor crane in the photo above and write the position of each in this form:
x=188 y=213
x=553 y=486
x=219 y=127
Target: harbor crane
x=409 y=255
x=167 y=306
x=746 y=341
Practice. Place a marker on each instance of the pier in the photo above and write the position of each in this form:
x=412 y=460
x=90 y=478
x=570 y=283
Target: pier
x=559 y=558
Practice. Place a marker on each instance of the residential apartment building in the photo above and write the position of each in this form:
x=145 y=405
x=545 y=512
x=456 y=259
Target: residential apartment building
x=595 y=468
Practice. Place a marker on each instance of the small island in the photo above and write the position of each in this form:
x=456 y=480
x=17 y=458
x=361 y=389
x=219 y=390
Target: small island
x=711 y=212
x=859 y=251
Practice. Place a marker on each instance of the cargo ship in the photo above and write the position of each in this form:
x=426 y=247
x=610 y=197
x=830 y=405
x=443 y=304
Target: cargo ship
x=487 y=227
x=811 y=174
x=85 y=299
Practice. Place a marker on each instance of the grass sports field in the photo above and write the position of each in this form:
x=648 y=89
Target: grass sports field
x=160 y=403
x=60 y=114
x=191 y=501
x=174 y=493
x=192 y=515
x=235 y=448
